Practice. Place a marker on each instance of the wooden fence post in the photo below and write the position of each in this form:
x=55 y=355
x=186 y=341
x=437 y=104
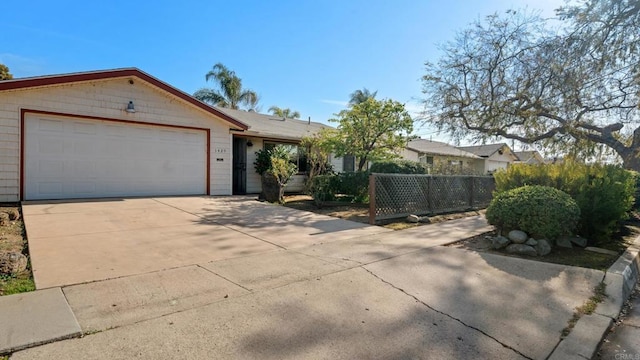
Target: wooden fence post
x=372 y=199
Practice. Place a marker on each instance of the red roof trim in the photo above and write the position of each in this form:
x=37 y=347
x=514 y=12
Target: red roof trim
x=107 y=74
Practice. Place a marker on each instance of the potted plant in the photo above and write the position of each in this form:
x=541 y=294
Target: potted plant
x=275 y=171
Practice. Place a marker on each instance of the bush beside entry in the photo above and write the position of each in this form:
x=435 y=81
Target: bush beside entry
x=541 y=211
x=275 y=170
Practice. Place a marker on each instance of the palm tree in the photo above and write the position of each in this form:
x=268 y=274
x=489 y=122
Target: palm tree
x=4 y=73
x=230 y=93
x=285 y=113
x=360 y=96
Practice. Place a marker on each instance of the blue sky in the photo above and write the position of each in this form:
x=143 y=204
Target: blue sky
x=305 y=55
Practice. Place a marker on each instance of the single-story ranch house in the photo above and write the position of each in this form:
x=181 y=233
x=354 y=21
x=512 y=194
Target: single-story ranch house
x=123 y=132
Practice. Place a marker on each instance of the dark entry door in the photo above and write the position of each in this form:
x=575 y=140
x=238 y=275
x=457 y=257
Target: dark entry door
x=239 y=166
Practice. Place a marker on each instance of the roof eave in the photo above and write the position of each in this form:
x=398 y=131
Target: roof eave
x=42 y=81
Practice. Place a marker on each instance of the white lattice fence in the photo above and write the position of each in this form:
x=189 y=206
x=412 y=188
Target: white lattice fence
x=398 y=195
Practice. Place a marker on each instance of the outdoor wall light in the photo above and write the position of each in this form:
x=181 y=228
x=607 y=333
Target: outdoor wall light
x=249 y=143
x=130 y=107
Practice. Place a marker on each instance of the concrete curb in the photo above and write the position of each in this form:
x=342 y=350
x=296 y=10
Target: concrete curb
x=584 y=340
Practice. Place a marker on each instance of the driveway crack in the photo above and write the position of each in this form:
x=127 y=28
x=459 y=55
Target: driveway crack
x=447 y=315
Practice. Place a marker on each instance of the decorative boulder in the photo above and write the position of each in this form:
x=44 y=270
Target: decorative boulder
x=12 y=263
x=499 y=242
x=521 y=249
x=425 y=220
x=531 y=242
x=543 y=248
x=13 y=214
x=413 y=218
x=564 y=242
x=578 y=241
x=517 y=236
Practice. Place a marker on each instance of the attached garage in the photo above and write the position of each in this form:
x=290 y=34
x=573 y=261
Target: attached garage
x=73 y=137
x=72 y=158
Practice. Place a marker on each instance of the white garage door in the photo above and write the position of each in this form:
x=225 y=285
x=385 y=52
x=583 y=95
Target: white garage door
x=67 y=158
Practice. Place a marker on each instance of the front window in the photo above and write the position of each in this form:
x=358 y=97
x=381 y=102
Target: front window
x=297 y=155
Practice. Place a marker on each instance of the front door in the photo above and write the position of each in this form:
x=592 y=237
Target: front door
x=239 y=166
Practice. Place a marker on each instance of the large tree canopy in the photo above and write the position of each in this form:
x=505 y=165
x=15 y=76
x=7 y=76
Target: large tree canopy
x=571 y=84
x=230 y=93
x=372 y=130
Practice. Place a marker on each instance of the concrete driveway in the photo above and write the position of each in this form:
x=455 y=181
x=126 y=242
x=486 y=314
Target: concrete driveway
x=84 y=241
x=305 y=290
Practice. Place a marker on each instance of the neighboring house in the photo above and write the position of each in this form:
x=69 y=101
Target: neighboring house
x=267 y=131
x=529 y=157
x=495 y=156
x=122 y=132
x=438 y=155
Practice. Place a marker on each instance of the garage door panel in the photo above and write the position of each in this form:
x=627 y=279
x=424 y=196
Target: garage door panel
x=71 y=158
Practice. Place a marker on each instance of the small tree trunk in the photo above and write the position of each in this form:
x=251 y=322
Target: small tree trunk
x=272 y=189
x=631 y=159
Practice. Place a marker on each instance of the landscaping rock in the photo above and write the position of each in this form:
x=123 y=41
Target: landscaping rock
x=517 y=236
x=521 y=249
x=564 y=242
x=543 y=247
x=4 y=219
x=499 y=242
x=582 y=242
x=13 y=214
x=12 y=263
x=425 y=220
x=531 y=242
x=413 y=218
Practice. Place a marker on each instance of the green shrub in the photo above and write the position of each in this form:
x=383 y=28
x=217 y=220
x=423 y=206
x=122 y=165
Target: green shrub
x=540 y=211
x=322 y=188
x=354 y=185
x=604 y=193
x=399 y=167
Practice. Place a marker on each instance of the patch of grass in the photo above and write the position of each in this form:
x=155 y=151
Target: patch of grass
x=599 y=294
x=16 y=285
x=579 y=257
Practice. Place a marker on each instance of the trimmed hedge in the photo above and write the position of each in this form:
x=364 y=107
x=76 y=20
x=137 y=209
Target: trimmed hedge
x=604 y=193
x=399 y=167
x=540 y=211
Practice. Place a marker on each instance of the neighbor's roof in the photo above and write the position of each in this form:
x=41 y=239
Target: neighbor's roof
x=48 y=80
x=438 y=148
x=483 y=150
x=271 y=126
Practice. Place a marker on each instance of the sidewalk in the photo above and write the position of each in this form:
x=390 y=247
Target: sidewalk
x=623 y=342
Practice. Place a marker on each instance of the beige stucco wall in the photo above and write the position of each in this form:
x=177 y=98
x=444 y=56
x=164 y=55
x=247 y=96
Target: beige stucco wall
x=108 y=99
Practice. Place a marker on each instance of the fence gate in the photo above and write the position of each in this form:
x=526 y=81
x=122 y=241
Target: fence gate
x=398 y=195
